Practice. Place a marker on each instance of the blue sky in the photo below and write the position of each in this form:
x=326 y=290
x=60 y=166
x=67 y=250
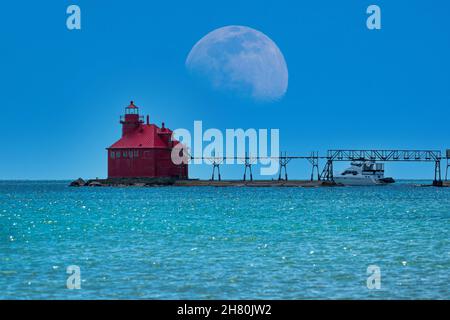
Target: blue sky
x=62 y=91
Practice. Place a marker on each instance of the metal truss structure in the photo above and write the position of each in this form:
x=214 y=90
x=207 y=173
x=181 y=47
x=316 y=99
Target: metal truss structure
x=383 y=155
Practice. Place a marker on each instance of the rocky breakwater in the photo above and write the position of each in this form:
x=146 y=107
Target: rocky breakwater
x=123 y=182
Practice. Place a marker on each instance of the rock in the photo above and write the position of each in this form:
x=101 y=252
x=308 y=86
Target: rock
x=138 y=184
x=77 y=183
x=95 y=184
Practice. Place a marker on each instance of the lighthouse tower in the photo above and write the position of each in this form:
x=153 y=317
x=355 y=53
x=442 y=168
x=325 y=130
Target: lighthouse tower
x=131 y=121
x=144 y=150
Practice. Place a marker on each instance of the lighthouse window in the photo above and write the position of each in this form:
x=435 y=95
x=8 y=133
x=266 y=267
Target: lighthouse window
x=118 y=154
x=124 y=154
x=130 y=154
x=136 y=153
x=131 y=111
x=113 y=154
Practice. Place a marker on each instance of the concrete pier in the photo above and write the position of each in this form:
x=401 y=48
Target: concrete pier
x=155 y=182
x=254 y=183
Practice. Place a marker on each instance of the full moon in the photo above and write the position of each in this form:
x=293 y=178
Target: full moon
x=242 y=60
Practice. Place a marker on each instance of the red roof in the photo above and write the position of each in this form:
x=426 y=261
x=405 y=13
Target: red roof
x=132 y=106
x=145 y=136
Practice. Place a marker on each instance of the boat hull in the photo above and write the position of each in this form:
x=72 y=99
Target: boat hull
x=362 y=181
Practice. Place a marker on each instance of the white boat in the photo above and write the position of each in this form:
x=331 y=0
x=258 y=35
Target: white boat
x=363 y=173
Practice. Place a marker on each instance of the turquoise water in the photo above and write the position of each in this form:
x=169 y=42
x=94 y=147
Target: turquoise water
x=223 y=243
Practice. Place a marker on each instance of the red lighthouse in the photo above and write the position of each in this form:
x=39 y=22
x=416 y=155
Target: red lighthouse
x=144 y=150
